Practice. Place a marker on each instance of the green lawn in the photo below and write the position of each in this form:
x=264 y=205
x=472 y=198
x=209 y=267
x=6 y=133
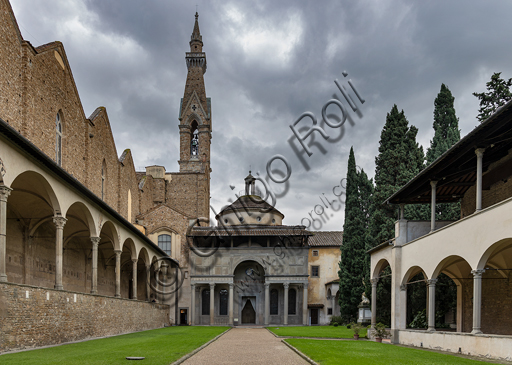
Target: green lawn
x=327 y=352
x=316 y=331
x=160 y=346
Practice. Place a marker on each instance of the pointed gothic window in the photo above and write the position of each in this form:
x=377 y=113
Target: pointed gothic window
x=103 y=177
x=58 y=142
x=194 y=142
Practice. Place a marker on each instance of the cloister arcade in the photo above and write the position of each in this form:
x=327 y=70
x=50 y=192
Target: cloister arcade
x=54 y=233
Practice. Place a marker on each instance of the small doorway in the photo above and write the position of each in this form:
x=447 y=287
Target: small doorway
x=248 y=313
x=183 y=317
x=314 y=316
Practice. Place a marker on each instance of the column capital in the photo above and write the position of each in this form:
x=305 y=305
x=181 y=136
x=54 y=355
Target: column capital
x=59 y=221
x=374 y=281
x=431 y=282
x=267 y=285
x=4 y=193
x=192 y=285
x=286 y=285
x=118 y=252
x=95 y=241
x=135 y=260
x=212 y=285
x=479 y=152
x=305 y=285
x=433 y=183
x=403 y=287
x=231 y=285
x=477 y=273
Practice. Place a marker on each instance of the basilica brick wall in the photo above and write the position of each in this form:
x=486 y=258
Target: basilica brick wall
x=34 y=317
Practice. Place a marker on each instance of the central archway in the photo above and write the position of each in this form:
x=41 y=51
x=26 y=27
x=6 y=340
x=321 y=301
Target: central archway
x=249 y=280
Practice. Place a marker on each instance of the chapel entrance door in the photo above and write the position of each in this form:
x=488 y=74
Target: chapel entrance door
x=314 y=315
x=183 y=317
x=248 y=313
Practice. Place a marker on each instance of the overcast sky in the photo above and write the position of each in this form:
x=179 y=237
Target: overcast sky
x=268 y=63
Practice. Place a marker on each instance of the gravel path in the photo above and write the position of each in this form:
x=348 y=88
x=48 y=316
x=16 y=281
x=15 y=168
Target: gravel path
x=246 y=346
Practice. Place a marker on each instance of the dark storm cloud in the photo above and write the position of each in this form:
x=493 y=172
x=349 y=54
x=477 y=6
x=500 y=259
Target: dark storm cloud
x=268 y=62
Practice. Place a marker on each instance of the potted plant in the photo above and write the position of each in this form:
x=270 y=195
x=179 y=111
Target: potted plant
x=356 y=328
x=379 y=331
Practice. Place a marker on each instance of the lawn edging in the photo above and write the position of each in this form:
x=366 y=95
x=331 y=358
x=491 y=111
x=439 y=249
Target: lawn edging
x=300 y=353
x=190 y=354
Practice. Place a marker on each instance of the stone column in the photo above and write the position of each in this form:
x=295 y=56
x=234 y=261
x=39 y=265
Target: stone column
x=148 y=286
x=374 y=301
x=59 y=250
x=4 y=194
x=267 y=303
x=286 y=287
x=433 y=184
x=118 y=273
x=477 y=300
x=479 y=155
x=192 y=303
x=432 y=304
x=94 y=276
x=134 y=279
x=305 y=305
x=230 y=304
x=212 y=304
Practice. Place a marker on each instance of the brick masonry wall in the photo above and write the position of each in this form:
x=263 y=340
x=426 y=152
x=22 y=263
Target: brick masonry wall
x=496 y=303
x=50 y=317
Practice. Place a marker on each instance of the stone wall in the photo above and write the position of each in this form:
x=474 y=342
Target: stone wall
x=33 y=317
x=496 y=303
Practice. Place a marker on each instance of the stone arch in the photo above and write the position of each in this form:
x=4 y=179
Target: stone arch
x=412 y=272
x=85 y=216
x=381 y=265
x=240 y=260
x=456 y=267
x=34 y=183
x=109 y=229
x=196 y=117
x=500 y=252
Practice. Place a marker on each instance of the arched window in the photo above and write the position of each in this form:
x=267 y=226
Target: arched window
x=205 y=302
x=194 y=140
x=58 y=142
x=164 y=242
x=292 y=301
x=103 y=178
x=274 y=302
x=223 y=302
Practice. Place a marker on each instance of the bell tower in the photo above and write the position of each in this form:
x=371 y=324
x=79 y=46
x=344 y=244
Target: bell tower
x=195 y=111
x=195 y=130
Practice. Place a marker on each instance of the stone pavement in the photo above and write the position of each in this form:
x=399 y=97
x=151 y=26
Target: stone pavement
x=246 y=346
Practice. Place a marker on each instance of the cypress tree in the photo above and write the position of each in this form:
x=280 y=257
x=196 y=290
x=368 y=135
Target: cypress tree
x=400 y=159
x=353 y=265
x=498 y=94
x=446 y=134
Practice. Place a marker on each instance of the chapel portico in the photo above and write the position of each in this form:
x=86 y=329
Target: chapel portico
x=250 y=269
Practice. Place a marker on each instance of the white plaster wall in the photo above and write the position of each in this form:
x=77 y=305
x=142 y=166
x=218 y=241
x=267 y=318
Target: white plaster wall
x=489 y=346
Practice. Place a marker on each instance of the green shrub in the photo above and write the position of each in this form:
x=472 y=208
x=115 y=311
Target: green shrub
x=420 y=320
x=336 y=319
x=335 y=324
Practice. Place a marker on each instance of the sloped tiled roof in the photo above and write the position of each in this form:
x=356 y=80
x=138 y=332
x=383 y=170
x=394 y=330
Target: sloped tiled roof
x=326 y=239
x=250 y=230
x=246 y=202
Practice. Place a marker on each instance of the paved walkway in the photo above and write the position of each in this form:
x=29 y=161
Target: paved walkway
x=246 y=346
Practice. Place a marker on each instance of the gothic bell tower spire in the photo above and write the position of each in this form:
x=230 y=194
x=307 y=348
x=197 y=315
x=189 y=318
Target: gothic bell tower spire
x=195 y=122
x=195 y=110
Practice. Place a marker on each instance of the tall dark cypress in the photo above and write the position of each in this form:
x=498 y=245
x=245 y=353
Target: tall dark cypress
x=498 y=94
x=446 y=134
x=400 y=159
x=353 y=265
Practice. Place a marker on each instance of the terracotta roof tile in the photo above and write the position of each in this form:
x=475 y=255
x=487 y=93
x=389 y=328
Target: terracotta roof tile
x=326 y=239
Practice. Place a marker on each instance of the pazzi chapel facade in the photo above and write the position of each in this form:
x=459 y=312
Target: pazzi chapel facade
x=83 y=234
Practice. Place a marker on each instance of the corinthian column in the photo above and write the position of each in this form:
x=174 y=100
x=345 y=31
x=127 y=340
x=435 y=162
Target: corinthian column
x=59 y=224
x=4 y=194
